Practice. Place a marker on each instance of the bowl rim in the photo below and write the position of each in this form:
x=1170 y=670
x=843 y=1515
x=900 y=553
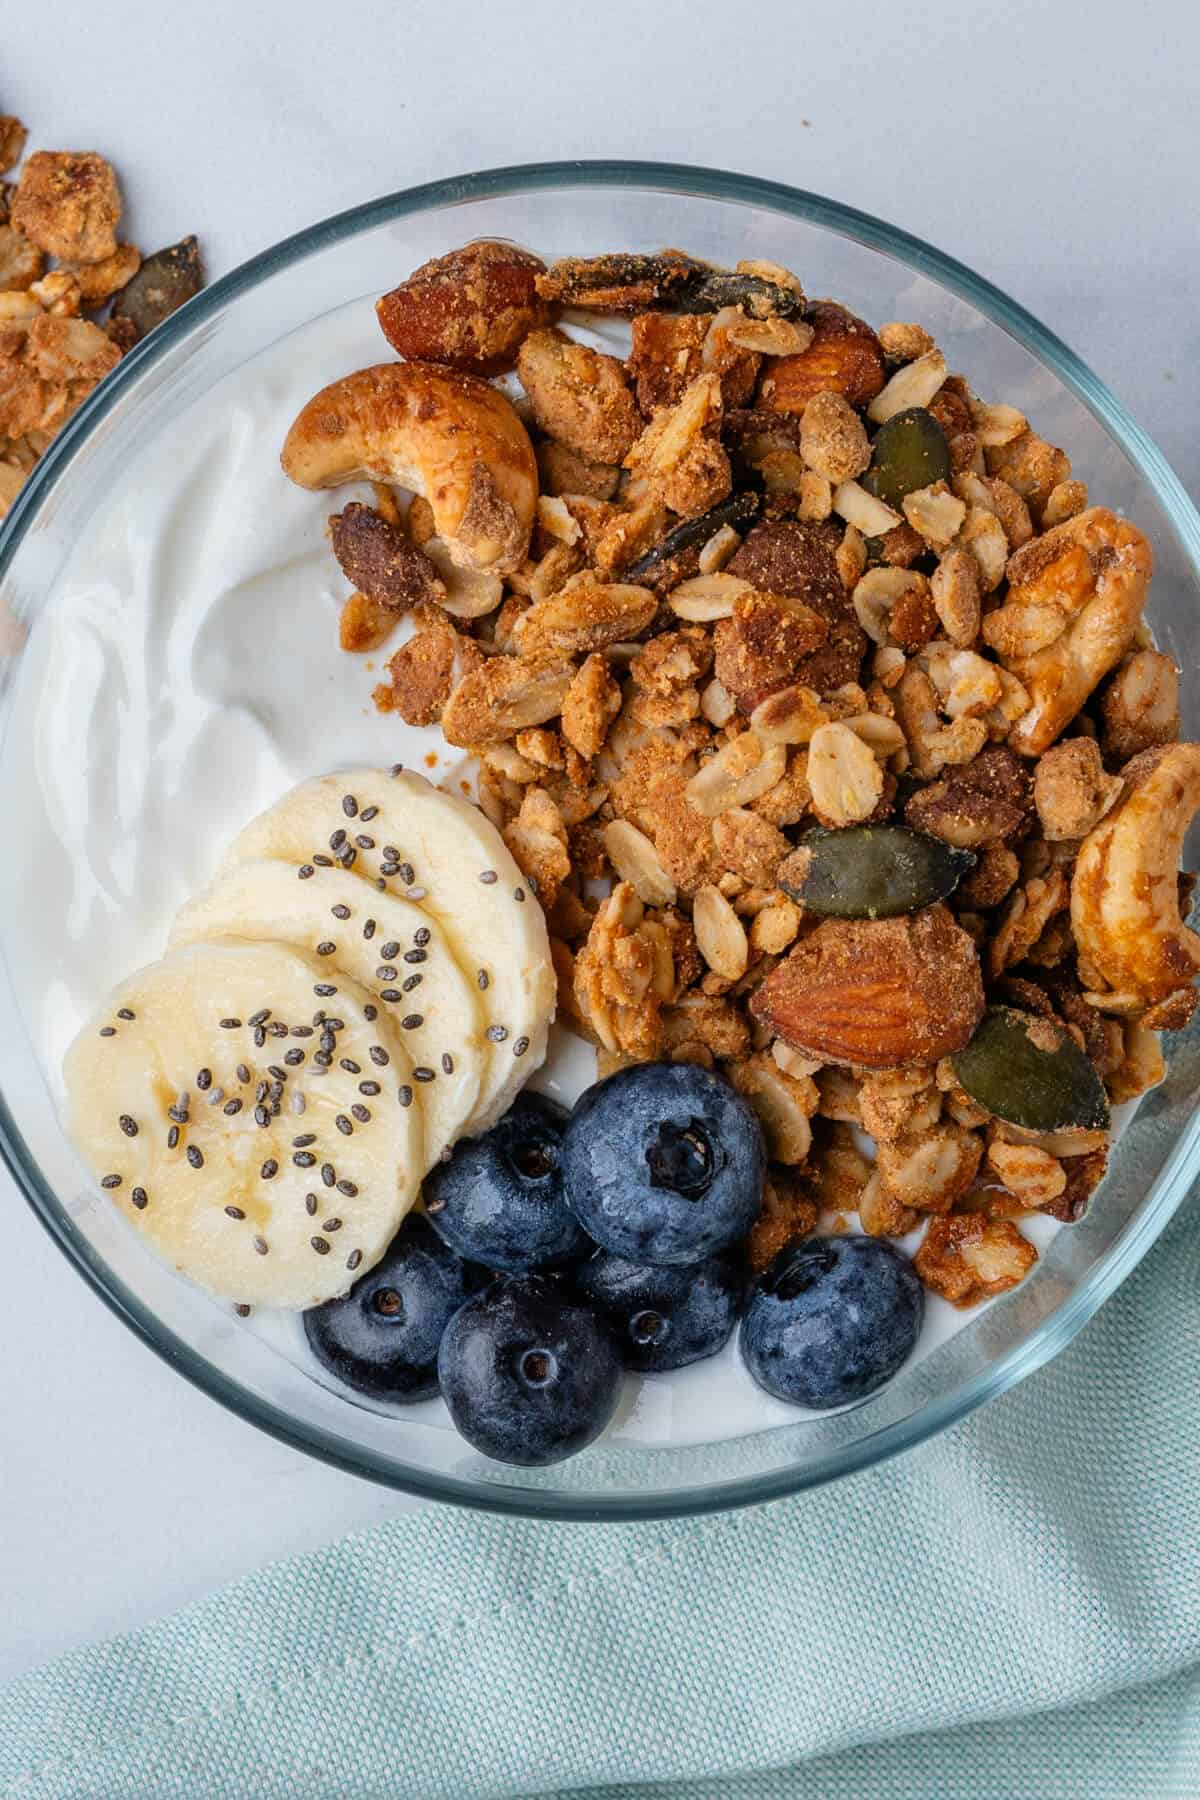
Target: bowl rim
x=1059 y=1327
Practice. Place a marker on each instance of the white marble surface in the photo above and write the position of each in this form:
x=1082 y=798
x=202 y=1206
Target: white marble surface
x=1053 y=148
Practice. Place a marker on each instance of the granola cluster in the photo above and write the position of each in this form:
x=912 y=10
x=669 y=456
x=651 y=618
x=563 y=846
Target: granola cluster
x=73 y=297
x=788 y=572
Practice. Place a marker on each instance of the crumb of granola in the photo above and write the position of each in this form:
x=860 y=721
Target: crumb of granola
x=13 y=136
x=21 y=262
x=364 y=624
x=537 y=838
x=564 y=471
x=1071 y=790
x=966 y=1257
x=68 y=203
x=796 y=561
x=99 y=281
x=789 y=1212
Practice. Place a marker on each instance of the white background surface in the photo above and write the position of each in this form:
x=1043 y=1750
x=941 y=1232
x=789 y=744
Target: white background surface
x=1052 y=147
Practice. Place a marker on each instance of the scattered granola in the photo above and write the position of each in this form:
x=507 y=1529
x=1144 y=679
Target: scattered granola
x=55 y=342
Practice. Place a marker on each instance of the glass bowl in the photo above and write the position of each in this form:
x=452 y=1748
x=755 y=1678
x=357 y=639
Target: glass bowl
x=560 y=209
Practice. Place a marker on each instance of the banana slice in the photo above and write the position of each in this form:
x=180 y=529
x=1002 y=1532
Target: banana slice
x=389 y=946
x=264 y=1136
x=398 y=830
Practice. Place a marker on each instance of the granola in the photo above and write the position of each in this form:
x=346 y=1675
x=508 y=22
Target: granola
x=58 y=336
x=789 y=579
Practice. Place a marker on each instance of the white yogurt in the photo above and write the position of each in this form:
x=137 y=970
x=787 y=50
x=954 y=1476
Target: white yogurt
x=187 y=674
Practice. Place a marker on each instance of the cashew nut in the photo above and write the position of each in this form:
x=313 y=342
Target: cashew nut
x=1090 y=577
x=1124 y=897
x=447 y=436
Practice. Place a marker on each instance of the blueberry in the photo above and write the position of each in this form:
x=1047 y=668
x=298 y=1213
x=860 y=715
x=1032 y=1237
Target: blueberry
x=664 y=1163
x=832 y=1319
x=663 y=1318
x=382 y=1337
x=529 y=1375
x=499 y=1199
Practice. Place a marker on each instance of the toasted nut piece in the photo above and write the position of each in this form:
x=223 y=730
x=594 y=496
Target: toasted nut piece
x=378 y=558
x=876 y=993
x=161 y=286
x=954 y=587
x=12 y=142
x=913 y=385
x=905 y=343
x=996 y=425
x=833 y=439
x=469 y=593
x=1064 y=502
x=741 y=771
x=424 y=671
x=21 y=262
x=720 y=934
x=556 y=520
x=578 y=395
x=1033 y=1175
x=469 y=309
x=67 y=203
x=863 y=510
x=584 y=615
x=1071 y=790
x=503 y=696
x=100 y=280
x=1032 y=466
x=592 y=702
x=707 y=597
x=843 y=775
x=364 y=624
x=636 y=861
x=1095 y=569
x=844 y=357
x=564 y=471
x=1140 y=707
x=966 y=1257
x=446 y=436
x=936 y=513
x=1124 y=891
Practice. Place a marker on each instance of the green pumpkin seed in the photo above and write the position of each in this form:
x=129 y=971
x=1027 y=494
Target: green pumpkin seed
x=1027 y=1070
x=162 y=284
x=716 y=289
x=909 y=452
x=871 y=871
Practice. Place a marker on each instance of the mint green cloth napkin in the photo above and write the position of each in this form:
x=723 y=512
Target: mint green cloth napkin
x=1010 y=1613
